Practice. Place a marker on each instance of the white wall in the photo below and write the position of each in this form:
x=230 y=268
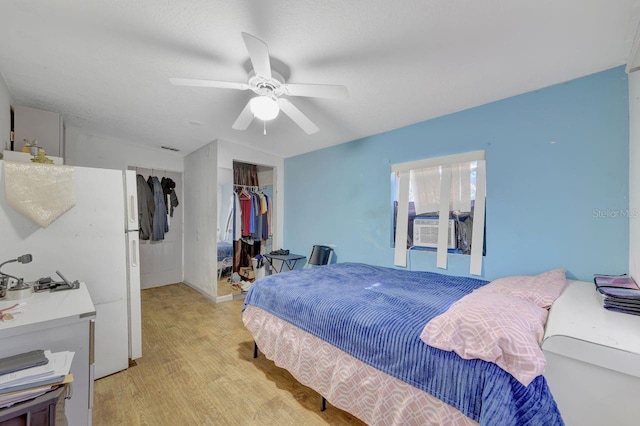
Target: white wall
x=634 y=175
x=200 y=200
x=83 y=148
x=5 y=115
x=228 y=152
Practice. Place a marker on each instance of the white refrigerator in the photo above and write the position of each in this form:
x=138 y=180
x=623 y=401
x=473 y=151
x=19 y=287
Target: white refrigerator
x=96 y=243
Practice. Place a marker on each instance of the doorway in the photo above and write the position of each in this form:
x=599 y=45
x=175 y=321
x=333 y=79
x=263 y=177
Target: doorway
x=248 y=181
x=161 y=261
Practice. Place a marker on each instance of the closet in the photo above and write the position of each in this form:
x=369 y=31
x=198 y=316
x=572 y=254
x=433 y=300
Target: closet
x=161 y=254
x=246 y=220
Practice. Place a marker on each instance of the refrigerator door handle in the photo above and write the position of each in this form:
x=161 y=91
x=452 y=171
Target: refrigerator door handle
x=134 y=253
x=133 y=214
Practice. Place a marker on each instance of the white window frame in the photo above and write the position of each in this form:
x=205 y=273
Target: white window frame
x=402 y=226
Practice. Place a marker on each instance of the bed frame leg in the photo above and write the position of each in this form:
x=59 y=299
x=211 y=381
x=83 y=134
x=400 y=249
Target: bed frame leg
x=255 y=350
x=323 y=404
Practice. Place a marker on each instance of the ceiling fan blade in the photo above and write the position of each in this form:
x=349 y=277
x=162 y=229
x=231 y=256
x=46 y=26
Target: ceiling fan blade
x=244 y=119
x=329 y=91
x=259 y=55
x=208 y=83
x=297 y=116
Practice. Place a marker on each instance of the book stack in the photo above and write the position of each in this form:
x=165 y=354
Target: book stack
x=31 y=374
x=620 y=293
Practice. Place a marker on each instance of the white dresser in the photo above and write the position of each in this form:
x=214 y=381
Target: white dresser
x=58 y=321
x=593 y=359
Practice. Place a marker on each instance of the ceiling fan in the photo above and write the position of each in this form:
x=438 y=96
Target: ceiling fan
x=270 y=87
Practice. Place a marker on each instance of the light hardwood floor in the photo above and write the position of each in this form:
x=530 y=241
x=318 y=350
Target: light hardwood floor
x=197 y=369
x=225 y=287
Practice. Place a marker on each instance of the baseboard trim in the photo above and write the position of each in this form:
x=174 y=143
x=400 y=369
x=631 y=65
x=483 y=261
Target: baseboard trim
x=225 y=298
x=199 y=290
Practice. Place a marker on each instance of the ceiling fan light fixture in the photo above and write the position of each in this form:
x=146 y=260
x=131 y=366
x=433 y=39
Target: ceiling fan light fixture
x=264 y=107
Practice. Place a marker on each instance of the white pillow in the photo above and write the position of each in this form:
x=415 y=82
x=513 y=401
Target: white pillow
x=541 y=289
x=498 y=328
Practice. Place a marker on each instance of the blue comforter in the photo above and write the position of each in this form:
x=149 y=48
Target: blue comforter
x=376 y=314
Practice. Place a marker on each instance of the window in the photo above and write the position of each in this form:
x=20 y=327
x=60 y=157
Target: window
x=424 y=203
x=451 y=187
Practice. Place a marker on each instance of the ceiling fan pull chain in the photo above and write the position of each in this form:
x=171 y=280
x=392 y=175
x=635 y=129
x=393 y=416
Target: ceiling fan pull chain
x=265 y=128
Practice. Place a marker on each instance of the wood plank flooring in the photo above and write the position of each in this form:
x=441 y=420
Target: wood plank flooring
x=225 y=287
x=197 y=369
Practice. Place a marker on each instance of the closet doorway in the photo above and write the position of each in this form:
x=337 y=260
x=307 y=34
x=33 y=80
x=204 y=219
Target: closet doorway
x=248 y=180
x=161 y=260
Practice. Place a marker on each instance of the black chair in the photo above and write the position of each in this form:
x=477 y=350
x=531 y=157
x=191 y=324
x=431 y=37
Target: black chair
x=320 y=255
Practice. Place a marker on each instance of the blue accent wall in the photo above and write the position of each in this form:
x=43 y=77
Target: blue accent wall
x=557 y=183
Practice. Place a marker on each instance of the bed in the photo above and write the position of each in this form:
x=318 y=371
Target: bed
x=352 y=333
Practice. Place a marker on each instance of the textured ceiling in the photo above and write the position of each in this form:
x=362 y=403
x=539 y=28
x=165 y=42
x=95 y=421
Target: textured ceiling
x=104 y=65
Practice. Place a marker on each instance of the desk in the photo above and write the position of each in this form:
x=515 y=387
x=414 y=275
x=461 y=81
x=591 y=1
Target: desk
x=287 y=259
x=58 y=321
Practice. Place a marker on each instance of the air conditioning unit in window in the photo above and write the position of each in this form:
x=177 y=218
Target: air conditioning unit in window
x=425 y=232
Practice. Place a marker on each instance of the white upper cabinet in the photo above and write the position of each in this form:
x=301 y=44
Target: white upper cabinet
x=47 y=127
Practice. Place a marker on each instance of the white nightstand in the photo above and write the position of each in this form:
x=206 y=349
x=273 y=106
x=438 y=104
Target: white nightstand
x=593 y=359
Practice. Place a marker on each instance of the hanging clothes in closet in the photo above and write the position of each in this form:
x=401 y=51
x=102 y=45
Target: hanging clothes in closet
x=170 y=197
x=246 y=207
x=157 y=201
x=146 y=208
x=160 y=225
x=252 y=211
x=234 y=228
x=251 y=214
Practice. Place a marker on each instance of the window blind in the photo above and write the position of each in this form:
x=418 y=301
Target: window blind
x=454 y=193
